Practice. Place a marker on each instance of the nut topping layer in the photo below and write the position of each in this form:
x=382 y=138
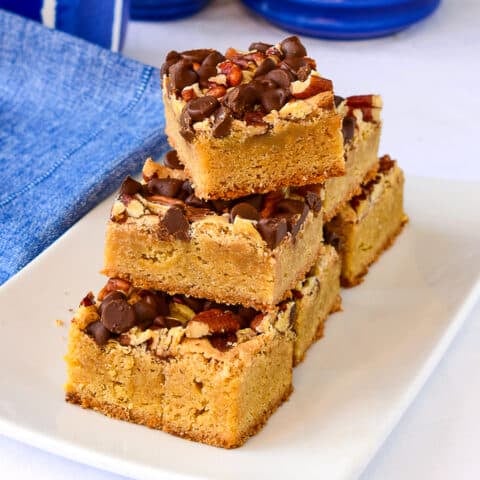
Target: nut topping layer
x=131 y=315
x=274 y=215
x=240 y=85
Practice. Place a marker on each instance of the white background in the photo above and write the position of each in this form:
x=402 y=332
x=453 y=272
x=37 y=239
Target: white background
x=429 y=77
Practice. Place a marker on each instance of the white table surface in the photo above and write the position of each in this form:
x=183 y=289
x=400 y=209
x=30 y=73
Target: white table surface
x=429 y=77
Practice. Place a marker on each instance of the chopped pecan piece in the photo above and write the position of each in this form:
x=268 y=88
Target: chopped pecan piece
x=212 y=322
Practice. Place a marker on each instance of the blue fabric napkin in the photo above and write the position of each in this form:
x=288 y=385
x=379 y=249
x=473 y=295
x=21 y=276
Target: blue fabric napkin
x=74 y=120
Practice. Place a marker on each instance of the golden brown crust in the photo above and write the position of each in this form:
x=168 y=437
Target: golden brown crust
x=353 y=282
x=155 y=422
x=111 y=410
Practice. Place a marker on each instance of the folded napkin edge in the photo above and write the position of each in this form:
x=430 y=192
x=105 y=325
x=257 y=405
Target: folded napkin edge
x=139 y=92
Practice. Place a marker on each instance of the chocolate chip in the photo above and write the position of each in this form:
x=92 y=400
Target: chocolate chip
x=244 y=210
x=223 y=342
x=221 y=205
x=313 y=201
x=159 y=322
x=265 y=67
x=209 y=68
x=181 y=74
x=194 y=201
x=272 y=230
x=303 y=72
x=186 y=129
x=292 y=47
x=297 y=294
x=186 y=190
x=168 y=187
x=288 y=70
x=348 y=128
x=262 y=84
x=209 y=305
x=194 y=303
x=204 y=73
x=294 y=212
x=130 y=186
x=222 y=123
x=157 y=300
x=197 y=55
x=294 y=64
x=118 y=316
x=338 y=100
x=241 y=99
x=172 y=161
x=274 y=99
x=175 y=223
x=259 y=46
x=116 y=295
x=99 y=333
x=280 y=77
x=297 y=222
x=254 y=200
x=202 y=107
x=213 y=58
x=194 y=213
x=172 y=57
x=288 y=205
x=355 y=201
x=331 y=238
x=145 y=312
x=171 y=322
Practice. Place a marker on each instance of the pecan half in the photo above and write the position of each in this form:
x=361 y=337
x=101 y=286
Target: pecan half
x=212 y=322
x=217 y=91
x=361 y=101
x=232 y=71
x=310 y=87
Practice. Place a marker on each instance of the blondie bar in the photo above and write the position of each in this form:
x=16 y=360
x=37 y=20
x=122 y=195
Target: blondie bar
x=361 y=134
x=205 y=371
x=251 y=122
x=251 y=251
x=369 y=222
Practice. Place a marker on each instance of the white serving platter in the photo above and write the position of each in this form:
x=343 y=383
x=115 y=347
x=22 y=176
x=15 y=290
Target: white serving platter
x=349 y=393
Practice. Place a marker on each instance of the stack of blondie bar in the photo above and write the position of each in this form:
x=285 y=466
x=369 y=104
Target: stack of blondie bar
x=219 y=275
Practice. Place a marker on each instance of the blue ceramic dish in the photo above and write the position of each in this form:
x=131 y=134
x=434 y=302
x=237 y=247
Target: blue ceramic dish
x=102 y=22
x=164 y=10
x=343 y=19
